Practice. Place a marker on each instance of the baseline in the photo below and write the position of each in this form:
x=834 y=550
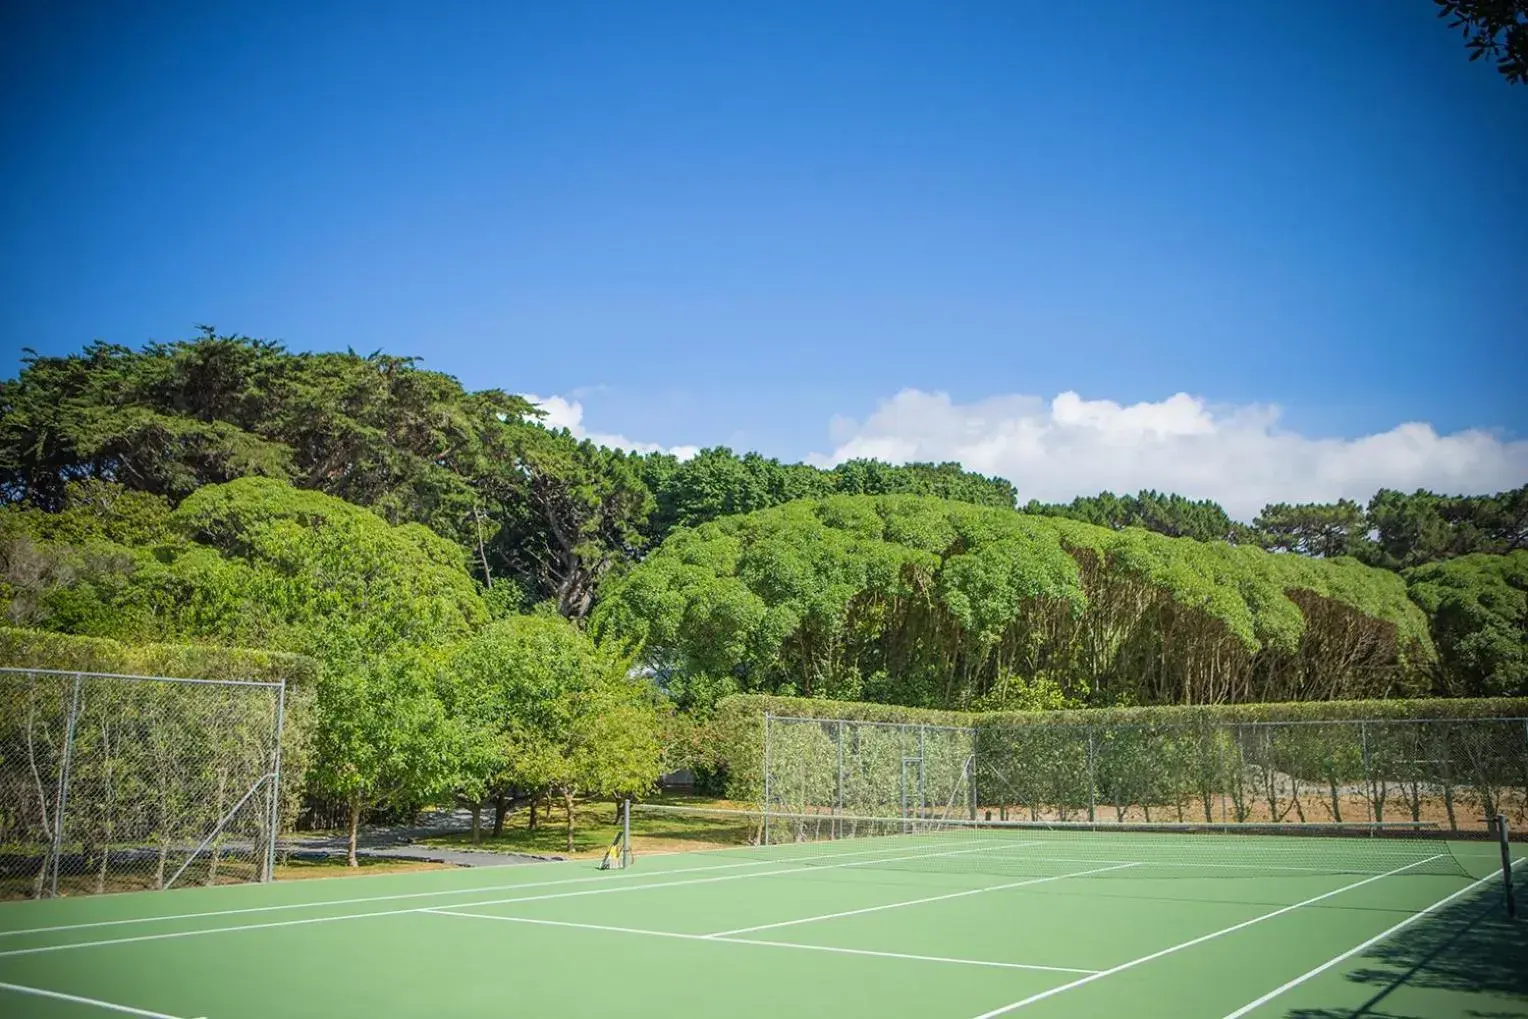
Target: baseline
x=1042 y=995
x=76 y=999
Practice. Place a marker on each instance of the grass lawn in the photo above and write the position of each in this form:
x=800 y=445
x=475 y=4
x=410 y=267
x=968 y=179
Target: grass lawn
x=595 y=827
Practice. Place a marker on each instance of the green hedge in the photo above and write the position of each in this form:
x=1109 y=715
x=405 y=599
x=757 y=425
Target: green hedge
x=41 y=649
x=733 y=745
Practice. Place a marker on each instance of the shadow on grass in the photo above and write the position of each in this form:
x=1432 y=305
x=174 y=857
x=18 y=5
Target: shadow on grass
x=1469 y=947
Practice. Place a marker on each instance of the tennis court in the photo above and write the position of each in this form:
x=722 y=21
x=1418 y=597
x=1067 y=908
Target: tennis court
x=963 y=922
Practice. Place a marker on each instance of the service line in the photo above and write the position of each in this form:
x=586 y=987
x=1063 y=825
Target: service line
x=764 y=944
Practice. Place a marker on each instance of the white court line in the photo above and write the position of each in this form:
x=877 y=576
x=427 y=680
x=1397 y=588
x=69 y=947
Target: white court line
x=1022 y=1002
x=1297 y=981
x=918 y=902
x=485 y=902
x=1328 y=871
x=502 y=886
x=76 y=999
x=767 y=944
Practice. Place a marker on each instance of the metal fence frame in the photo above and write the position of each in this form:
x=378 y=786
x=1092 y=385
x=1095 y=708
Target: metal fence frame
x=267 y=782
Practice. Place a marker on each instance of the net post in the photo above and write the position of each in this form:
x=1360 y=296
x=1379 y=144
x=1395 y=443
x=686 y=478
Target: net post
x=765 y=836
x=625 y=834
x=1503 y=837
x=63 y=782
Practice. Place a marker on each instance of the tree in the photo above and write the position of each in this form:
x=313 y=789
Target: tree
x=1164 y=513
x=1493 y=28
x=583 y=510
x=1424 y=527
x=1324 y=530
x=170 y=418
x=550 y=712
x=918 y=601
x=384 y=738
x=1478 y=607
x=594 y=737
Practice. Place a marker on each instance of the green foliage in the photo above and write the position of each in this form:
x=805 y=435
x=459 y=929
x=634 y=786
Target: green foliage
x=717 y=482
x=385 y=738
x=548 y=711
x=1165 y=513
x=1478 y=605
x=924 y=602
x=551 y=515
x=1314 y=529
x=1492 y=28
x=252 y=562
x=1425 y=527
x=39 y=649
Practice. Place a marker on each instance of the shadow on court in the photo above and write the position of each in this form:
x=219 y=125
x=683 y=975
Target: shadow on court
x=1470 y=948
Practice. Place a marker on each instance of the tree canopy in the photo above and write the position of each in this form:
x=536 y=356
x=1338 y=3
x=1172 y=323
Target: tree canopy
x=932 y=603
x=1478 y=605
x=1497 y=29
x=539 y=508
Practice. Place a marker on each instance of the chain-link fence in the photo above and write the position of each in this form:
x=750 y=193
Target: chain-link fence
x=111 y=783
x=856 y=770
x=1451 y=774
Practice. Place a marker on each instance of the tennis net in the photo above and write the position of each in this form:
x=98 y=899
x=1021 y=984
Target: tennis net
x=1025 y=848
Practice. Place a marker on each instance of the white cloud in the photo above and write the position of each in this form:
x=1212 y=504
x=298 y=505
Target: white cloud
x=564 y=413
x=1239 y=456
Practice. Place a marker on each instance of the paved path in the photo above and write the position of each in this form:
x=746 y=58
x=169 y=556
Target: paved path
x=400 y=842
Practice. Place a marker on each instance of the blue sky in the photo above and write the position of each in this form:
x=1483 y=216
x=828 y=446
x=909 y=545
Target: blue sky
x=740 y=223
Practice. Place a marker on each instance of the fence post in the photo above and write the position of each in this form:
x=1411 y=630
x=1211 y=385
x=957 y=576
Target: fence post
x=922 y=793
x=63 y=782
x=1363 y=739
x=766 y=776
x=275 y=791
x=838 y=791
x=1092 y=778
x=971 y=776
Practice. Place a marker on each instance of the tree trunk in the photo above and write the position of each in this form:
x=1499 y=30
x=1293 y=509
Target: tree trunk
x=500 y=808
x=355 y=825
x=533 y=812
x=567 y=802
x=477 y=823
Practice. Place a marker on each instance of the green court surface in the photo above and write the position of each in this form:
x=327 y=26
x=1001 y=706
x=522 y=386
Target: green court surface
x=945 y=927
